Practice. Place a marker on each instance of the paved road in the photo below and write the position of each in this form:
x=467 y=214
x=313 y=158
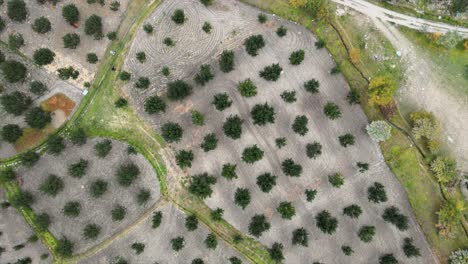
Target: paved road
x=375 y=11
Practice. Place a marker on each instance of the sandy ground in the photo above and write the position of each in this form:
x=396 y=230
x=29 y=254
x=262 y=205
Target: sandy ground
x=232 y=23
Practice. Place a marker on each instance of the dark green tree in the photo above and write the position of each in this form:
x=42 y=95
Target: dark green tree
x=280 y=142
x=276 y=252
x=91 y=231
x=266 y=182
x=313 y=150
x=41 y=25
x=191 y=222
x=78 y=136
x=353 y=97
x=138 y=248
x=263 y=114
x=271 y=72
x=184 y=158
x=320 y=43
x=281 y=31
x=210 y=142
x=290 y=168
x=169 y=42
x=17 y=10
x=92 y=58
x=125 y=76
x=13 y=71
x=118 y=213
x=52 y=185
x=393 y=215
x=15 y=41
x=72 y=209
x=43 y=56
x=11 y=133
x=29 y=158
x=366 y=233
x=232 y=127
x=141 y=56
x=242 y=197
x=127 y=174
x=247 y=88
x=300 y=236
x=252 y=154
x=388 y=259
x=37 y=88
x=64 y=247
x=312 y=86
x=346 y=140
x=55 y=145
x=143 y=196
x=197 y=118
x=300 y=125
x=103 y=148
x=353 y=211
x=154 y=104
x=217 y=214
x=258 y=224
x=22 y=199
x=226 y=61
x=347 y=250
x=289 y=96
x=286 y=210
x=221 y=101
x=93 y=26
x=177 y=243
x=253 y=44
x=43 y=221
x=235 y=260
x=336 y=180
x=211 y=242
x=98 y=188
x=326 y=223
x=71 y=13
x=171 y=132
x=148 y=28
x=332 y=111
x=156 y=219
x=178 y=17
x=296 y=57
x=178 y=90
x=262 y=18
x=142 y=83
x=229 y=171
x=200 y=185
x=376 y=193
x=410 y=249
x=15 y=103
x=121 y=102
x=204 y=75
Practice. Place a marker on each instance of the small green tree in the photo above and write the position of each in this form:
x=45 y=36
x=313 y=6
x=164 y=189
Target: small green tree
x=207 y=2
x=204 y=75
x=388 y=259
x=299 y=125
x=376 y=193
x=125 y=76
x=393 y=215
x=143 y=196
x=410 y=249
x=11 y=133
x=127 y=174
x=210 y=142
x=253 y=44
x=169 y=42
x=310 y=194
x=346 y=140
x=148 y=28
x=177 y=243
x=55 y=145
x=142 y=83
x=7 y=175
x=22 y=199
x=197 y=118
x=165 y=71
x=226 y=61
x=78 y=136
x=326 y=223
x=353 y=97
x=247 y=88
x=15 y=103
x=184 y=158
x=336 y=180
x=217 y=214
x=41 y=25
x=300 y=236
x=154 y=104
x=232 y=127
x=67 y=73
x=118 y=213
x=281 y=31
x=121 y=102
x=263 y=114
x=280 y=142
x=366 y=233
x=71 y=13
x=242 y=197
x=200 y=185
x=312 y=86
x=289 y=96
x=138 y=248
x=229 y=171
x=141 y=56
x=43 y=221
x=52 y=185
x=29 y=158
x=17 y=10
x=211 y=242
x=271 y=72
x=178 y=90
x=92 y=58
x=156 y=219
x=290 y=168
x=64 y=247
x=43 y=56
x=114 y=6
x=103 y=148
x=171 y=132
x=178 y=17
x=313 y=150
x=91 y=231
x=347 y=250
x=72 y=209
x=207 y=27
x=332 y=111
x=296 y=57
x=258 y=224
x=266 y=182
x=252 y=154
x=37 y=88
x=191 y=222
x=353 y=211
x=286 y=210
x=93 y=26
x=98 y=188
x=221 y=101
x=13 y=71
x=276 y=252
x=320 y=44
x=262 y=18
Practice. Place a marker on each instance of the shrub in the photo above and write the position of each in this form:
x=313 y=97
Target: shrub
x=388 y=259
x=313 y=150
x=156 y=219
x=154 y=104
x=29 y=158
x=247 y=88
x=253 y=44
x=280 y=142
x=177 y=243
x=98 y=188
x=178 y=90
x=366 y=233
x=141 y=56
x=289 y=96
x=332 y=111
x=204 y=75
x=72 y=209
x=232 y=127
x=148 y=28
x=229 y=171
x=131 y=150
x=263 y=114
x=125 y=76
x=171 y=132
x=200 y=185
x=184 y=158
x=91 y=231
x=235 y=260
x=22 y=199
x=206 y=2
x=210 y=142
x=92 y=58
x=11 y=133
x=118 y=213
x=376 y=193
x=211 y=242
x=226 y=61
x=271 y=73
x=242 y=197
x=138 y=247
x=320 y=43
x=207 y=27
x=55 y=145
x=347 y=250
x=41 y=25
x=281 y=31
x=262 y=18
x=16 y=10
x=64 y=247
x=363 y=167
x=198 y=260
x=78 y=136
x=266 y=182
x=43 y=56
x=165 y=71
x=252 y=154
x=335 y=70
x=143 y=197
x=312 y=86
x=114 y=5
x=336 y=180
x=300 y=236
x=381 y=90
x=346 y=140
x=459 y=256
x=71 y=13
x=221 y=101
x=112 y=35
x=67 y=73
x=296 y=57
x=178 y=17
x=326 y=223
x=191 y=222
x=7 y=175
x=286 y=210
x=197 y=118
x=353 y=97
x=411 y=250
x=276 y=252
x=142 y=83
x=121 y=102
x=217 y=214
x=52 y=185
x=15 y=103
x=393 y=215
x=168 y=42
x=310 y=194
x=258 y=225
x=43 y=221
x=379 y=130
x=37 y=88
x=353 y=211
x=300 y=125
x=290 y=168
x=93 y=26
x=13 y=71
x=127 y=174
x=103 y=148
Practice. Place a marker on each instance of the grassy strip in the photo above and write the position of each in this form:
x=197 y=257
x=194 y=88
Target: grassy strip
x=401 y=156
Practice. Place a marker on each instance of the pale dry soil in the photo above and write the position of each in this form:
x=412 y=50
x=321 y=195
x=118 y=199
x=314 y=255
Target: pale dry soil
x=232 y=23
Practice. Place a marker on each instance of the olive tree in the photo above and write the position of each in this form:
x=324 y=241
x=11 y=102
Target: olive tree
x=71 y=13
x=376 y=193
x=200 y=185
x=41 y=25
x=290 y=168
x=271 y=72
x=266 y=182
x=93 y=26
x=43 y=56
x=242 y=197
x=300 y=125
x=13 y=71
x=154 y=104
x=226 y=61
x=286 y=210
x=247 y=88
x=232 y=127
x=178 y=90
x=253 y=44
x=178 y=16
x=366 y=233
x=210 y=142
x=204 y=75
x=300 y=236
x=296 y=57
x=127 y=173
x=171 y=132
x=17 y=10
x=184 y=158
x=15 y=103
x=332 y=111
x=263 y=114
x=11 y=133
x=37 y=118
x=258 y=224
x=221 y=101
x=252 y=154
x=326 y=223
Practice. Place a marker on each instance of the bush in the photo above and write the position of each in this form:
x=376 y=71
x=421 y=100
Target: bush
x=229 y=171
x=289 y=96
x=313 y=150
x=13 y=71
x=346 y=140
x=178 y=17
x=200 y=185
x=15 y=103
x=197 y=118
x=266 y=182
x=43 y=56
x=37 y=88
x=290 y=168
x=118 y=213
x=300 y=236
x=198 y=260
x=67 y=73
x=336 y=180
x=319 y=44
x=165 y=71
x=71 y=41
x=312 y=86
x=226 y=61
x=353 y=97
x=207 y=27
x=281 y=31
x=103 y=148
x=178 y=90
x=388 y=259
x=393 y=215
x=143 y=197
x=310 y=194
x=121 y=102
x=92 y=58
x=252 y=154
x=78 y=136
x=29 y=158
x=168 y=42
x=263 y=114
x=232 y=127
x=253 y=44
x=156 y=219
x=221 y=101
x=211 y=242
x=142 y=83
x=64 y=247
x=7 y=175
x=171 y=132
x=459 y=256
x=235 y=260
x=114 y=5
x=98 y=188
x=177 y=243
x=300 y=125
x=52 y=185
x=276 y=252
x=379 y=130
x=411 y=250
x=347 y=250
x=217 y=214
x=91 y=231
x=258 y=225
x=326 y=223
x=16 y=10
x=112 y=35
x=262 y=18
x=55 y=145
x=280 y=142
x=41 y=25
x=22 y=199
x=184 y=158
x=125 y=76
x=332 y=111
x=353 y=211
x=286 y=210
x=148 y=28
x=93 y=26
x=376 y=193
x=127 y=173
x=247 y=88
x=191 y=222
x=271 y=73
x=210 y=142
x=242 y=197
x=72 y=209
x=296 y=57
x=366 y=233
x=141 y=56
x=43 y=221
x=71 y=14
x=154 y=104
x=138 y=247
x=204 y=75
x=363 y=167
x=11 y=133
